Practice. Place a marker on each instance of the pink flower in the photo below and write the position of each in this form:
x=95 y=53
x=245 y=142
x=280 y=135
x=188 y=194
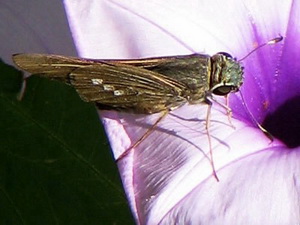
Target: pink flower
x=168 y=177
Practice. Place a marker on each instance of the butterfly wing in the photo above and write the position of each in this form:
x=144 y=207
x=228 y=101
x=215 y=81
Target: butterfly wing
x=110 y=84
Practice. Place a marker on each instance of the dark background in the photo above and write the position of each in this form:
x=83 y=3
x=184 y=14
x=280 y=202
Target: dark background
x=55 y=162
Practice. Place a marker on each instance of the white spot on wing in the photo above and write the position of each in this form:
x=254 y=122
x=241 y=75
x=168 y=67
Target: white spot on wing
x=118 y=92
x=97 y=81
x=108 y=87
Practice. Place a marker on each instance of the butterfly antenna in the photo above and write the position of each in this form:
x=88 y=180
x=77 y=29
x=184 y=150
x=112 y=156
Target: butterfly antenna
x=271 y=42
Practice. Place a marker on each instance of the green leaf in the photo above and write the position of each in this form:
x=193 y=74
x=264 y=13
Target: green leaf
x=55 y=163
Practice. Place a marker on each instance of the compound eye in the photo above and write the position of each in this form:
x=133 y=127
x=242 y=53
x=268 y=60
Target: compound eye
x=225 y=54
x=224 y=90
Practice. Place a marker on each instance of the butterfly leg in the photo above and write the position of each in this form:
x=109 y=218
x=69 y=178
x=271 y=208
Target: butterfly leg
x=207 y=127
x=267 y=133
x=228 y=111
x=225 y=106
x=145 y=135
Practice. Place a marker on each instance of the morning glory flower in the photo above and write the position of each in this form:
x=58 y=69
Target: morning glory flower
x=168 y=176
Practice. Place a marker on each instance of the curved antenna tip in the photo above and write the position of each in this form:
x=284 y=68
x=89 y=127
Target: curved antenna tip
x=275 y=40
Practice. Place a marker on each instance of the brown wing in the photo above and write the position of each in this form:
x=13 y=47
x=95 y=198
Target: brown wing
x=109 y=84
x=191 y=70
